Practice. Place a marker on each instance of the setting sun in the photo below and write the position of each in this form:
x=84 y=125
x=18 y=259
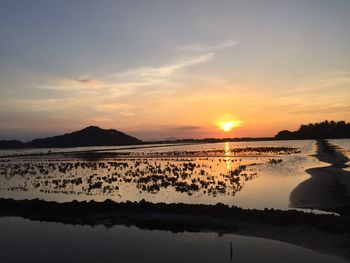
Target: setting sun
x=227 y=126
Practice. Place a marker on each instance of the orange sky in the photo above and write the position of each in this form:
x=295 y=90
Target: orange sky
x=158 y=70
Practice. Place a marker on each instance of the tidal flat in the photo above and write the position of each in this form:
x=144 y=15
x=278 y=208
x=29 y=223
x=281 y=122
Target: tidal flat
x=248 y=174
x=177 y=188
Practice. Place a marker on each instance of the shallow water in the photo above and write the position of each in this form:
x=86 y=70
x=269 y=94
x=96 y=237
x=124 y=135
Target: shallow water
x=39 y=151
x=22 y=240
x=344 y=145
x=245 y=174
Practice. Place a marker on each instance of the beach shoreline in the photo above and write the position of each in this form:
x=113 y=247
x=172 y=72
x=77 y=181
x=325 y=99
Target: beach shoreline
x=326 y=233
x=328 y=188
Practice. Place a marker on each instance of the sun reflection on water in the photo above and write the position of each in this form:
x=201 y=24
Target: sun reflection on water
x=227 y=156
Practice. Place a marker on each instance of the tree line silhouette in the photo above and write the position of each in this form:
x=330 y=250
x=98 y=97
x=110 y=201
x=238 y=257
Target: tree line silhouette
x=321 y=130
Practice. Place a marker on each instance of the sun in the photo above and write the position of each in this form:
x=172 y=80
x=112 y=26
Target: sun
x=227 y=126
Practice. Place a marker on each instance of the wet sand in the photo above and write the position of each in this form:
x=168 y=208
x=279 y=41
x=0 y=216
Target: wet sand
x=329 y=187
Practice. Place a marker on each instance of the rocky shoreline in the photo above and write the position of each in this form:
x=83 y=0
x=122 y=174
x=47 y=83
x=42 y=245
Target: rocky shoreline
x=174 y=217
x=324 y=233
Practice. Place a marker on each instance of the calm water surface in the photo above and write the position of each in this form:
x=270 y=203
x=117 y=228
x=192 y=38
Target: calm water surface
x=246 y=174
x=22 y=240
x=344 y=146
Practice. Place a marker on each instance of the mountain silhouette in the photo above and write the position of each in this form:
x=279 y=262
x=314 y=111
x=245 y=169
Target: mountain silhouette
x=89 y=136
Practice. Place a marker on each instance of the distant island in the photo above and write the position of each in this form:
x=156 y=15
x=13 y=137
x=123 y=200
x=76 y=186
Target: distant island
x=95 y=136
x=321 y=130
x=90 y=136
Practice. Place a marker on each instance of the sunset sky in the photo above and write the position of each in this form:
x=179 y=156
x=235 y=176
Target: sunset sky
x=160 y=69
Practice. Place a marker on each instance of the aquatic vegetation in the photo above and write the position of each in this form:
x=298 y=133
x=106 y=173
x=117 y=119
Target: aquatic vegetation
x=275 y=161
x=135 y=175
x=147 y=175
x=237 y=151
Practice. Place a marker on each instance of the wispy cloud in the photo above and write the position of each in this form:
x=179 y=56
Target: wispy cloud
x=114 y=107
x=162 y=71
x=120 y=108
x=324 y=110
x=207 y=47
x=155 y=78
x=110 y=91
x=124 y=83
x=324 y=94
x=70 y=84
x=36 y=105
x=322 y=83
x=98 y=120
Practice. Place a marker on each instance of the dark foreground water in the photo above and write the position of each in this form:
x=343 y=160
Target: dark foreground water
x=22 y=240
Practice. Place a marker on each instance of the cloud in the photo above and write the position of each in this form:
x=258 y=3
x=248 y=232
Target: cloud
x=85 y=81
x=94 y=83
x=162 y=71
x=203 y=47
x=324 y=110
x=122 y=109
x=98 y=120
x=114 y=107
x=69 y=84
x=328 y=82
x=324 y=94
x=35 y=105
x=155 y=79
x=188 y=128
x=111 y=91
x=93 y=88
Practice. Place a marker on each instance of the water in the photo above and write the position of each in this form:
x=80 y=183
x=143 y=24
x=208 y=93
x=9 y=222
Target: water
x=26 y=241
x=246 y=174
x=343 y=143
x=344 y=147
x=41 y=151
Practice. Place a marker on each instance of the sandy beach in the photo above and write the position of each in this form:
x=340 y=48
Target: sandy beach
x=328 y=187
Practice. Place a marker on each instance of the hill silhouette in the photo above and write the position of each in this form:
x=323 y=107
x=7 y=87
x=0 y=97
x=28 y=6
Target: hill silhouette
x=9 y=144
x=89 y=136
x=95 y=136
x=321 y=130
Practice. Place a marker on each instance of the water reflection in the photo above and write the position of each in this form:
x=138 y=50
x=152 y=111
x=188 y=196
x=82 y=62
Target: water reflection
x=227 y=154
x=204 y=173
x=117 y=177
x=57 y=243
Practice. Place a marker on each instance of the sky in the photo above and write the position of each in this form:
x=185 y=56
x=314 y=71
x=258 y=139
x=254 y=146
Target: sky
x=162 y=69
